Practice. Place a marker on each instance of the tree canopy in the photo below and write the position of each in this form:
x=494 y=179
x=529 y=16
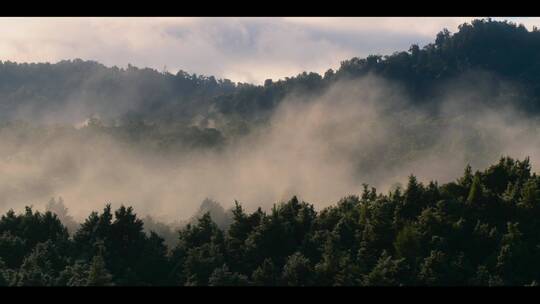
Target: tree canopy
x=479 y=230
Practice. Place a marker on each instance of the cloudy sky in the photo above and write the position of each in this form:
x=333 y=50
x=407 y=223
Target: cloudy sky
x=241 y=49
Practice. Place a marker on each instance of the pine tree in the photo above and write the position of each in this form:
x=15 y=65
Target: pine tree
x=223 y=277
x=266 y=274
x=98 y=275
x=297 y=271
x=476 y=191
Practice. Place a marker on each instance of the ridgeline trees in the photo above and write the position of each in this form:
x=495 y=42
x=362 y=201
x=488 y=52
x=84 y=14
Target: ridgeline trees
x=504 y=50
x=479 y=230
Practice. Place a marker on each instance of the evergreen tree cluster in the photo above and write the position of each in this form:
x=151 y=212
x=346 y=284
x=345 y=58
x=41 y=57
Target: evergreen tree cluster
x=481 y=229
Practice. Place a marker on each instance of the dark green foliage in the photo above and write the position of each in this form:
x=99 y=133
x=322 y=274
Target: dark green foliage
x=5 y=274
x=474 y=231
x=439 y=269
x=407 y=244
x=223 y=277
x=513 y=260
x=98 y=275
x=505 y=49
x=74 y=275
x=387 y=272
x=266 y=274
x=12 y=250
x=297 y=271
x=199 y=252
x=155 y=266
x=41 y=267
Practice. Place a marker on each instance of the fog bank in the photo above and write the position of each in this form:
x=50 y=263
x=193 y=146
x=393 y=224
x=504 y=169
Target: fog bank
x=321 y=149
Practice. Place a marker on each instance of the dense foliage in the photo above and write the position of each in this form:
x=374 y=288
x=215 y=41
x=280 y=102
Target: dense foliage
x=479 y=230
x=44 y=91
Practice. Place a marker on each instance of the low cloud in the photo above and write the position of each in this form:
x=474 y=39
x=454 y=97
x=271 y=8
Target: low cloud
x=320 y=149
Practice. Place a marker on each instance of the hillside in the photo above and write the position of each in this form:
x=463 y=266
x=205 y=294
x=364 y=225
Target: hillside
x=78 y=89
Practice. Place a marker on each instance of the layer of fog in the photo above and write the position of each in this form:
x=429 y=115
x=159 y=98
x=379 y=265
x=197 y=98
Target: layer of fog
x=321 y=149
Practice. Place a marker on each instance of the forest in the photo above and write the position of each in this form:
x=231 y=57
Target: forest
x=71 y=91
x=478 y=230
x=350 y=178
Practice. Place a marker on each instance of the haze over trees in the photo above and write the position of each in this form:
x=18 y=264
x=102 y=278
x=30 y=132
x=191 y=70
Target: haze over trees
x=478 y=230
x=74 y=90
x=95 y=131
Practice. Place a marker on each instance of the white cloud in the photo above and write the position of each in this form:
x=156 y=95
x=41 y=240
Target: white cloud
x=242 y=49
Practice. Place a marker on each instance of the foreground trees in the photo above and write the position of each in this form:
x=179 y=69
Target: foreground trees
x=479 y=230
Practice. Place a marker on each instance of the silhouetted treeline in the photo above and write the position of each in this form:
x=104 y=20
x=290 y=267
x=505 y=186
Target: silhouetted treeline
x=78 y=89
x=481 y=229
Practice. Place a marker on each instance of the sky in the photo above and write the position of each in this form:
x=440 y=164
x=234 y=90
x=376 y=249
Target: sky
x=242 y=49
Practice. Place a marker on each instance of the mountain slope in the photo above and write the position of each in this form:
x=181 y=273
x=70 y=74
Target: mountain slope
x=74 y=90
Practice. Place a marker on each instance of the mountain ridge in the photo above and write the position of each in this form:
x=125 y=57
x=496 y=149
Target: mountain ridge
x=44 y=91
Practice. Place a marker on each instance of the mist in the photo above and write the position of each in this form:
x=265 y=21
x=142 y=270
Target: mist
x=320 y=149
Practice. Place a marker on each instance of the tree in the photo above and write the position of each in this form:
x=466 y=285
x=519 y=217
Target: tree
x=513 y=259
x=199 y=252
x=408 y=243
x=487 y=237
x=266 y=274
x=34 y=227
x=241 y=227
x=5 y=274
x=412 y=201
x=221 y=217
x=336 y=267
x=58 y=208
x=201 y=262
x=387 y=272
x=297 y=271
x=41 y=267
x=530 y=195
x=12 y=250
x=95 y=230
x=126 y=243
x=74 y=275
x=442 y=37
x=98 y=275
x=476 y=191
x=223 y=277
x=439 y=270
x=153 y=266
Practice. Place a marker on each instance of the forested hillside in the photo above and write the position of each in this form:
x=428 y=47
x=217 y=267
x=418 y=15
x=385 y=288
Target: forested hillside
x=135 y=151
x=73 y=90
x=479 y=230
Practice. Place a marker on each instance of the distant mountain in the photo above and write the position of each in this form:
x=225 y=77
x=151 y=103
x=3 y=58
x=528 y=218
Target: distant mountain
x=73 y=90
